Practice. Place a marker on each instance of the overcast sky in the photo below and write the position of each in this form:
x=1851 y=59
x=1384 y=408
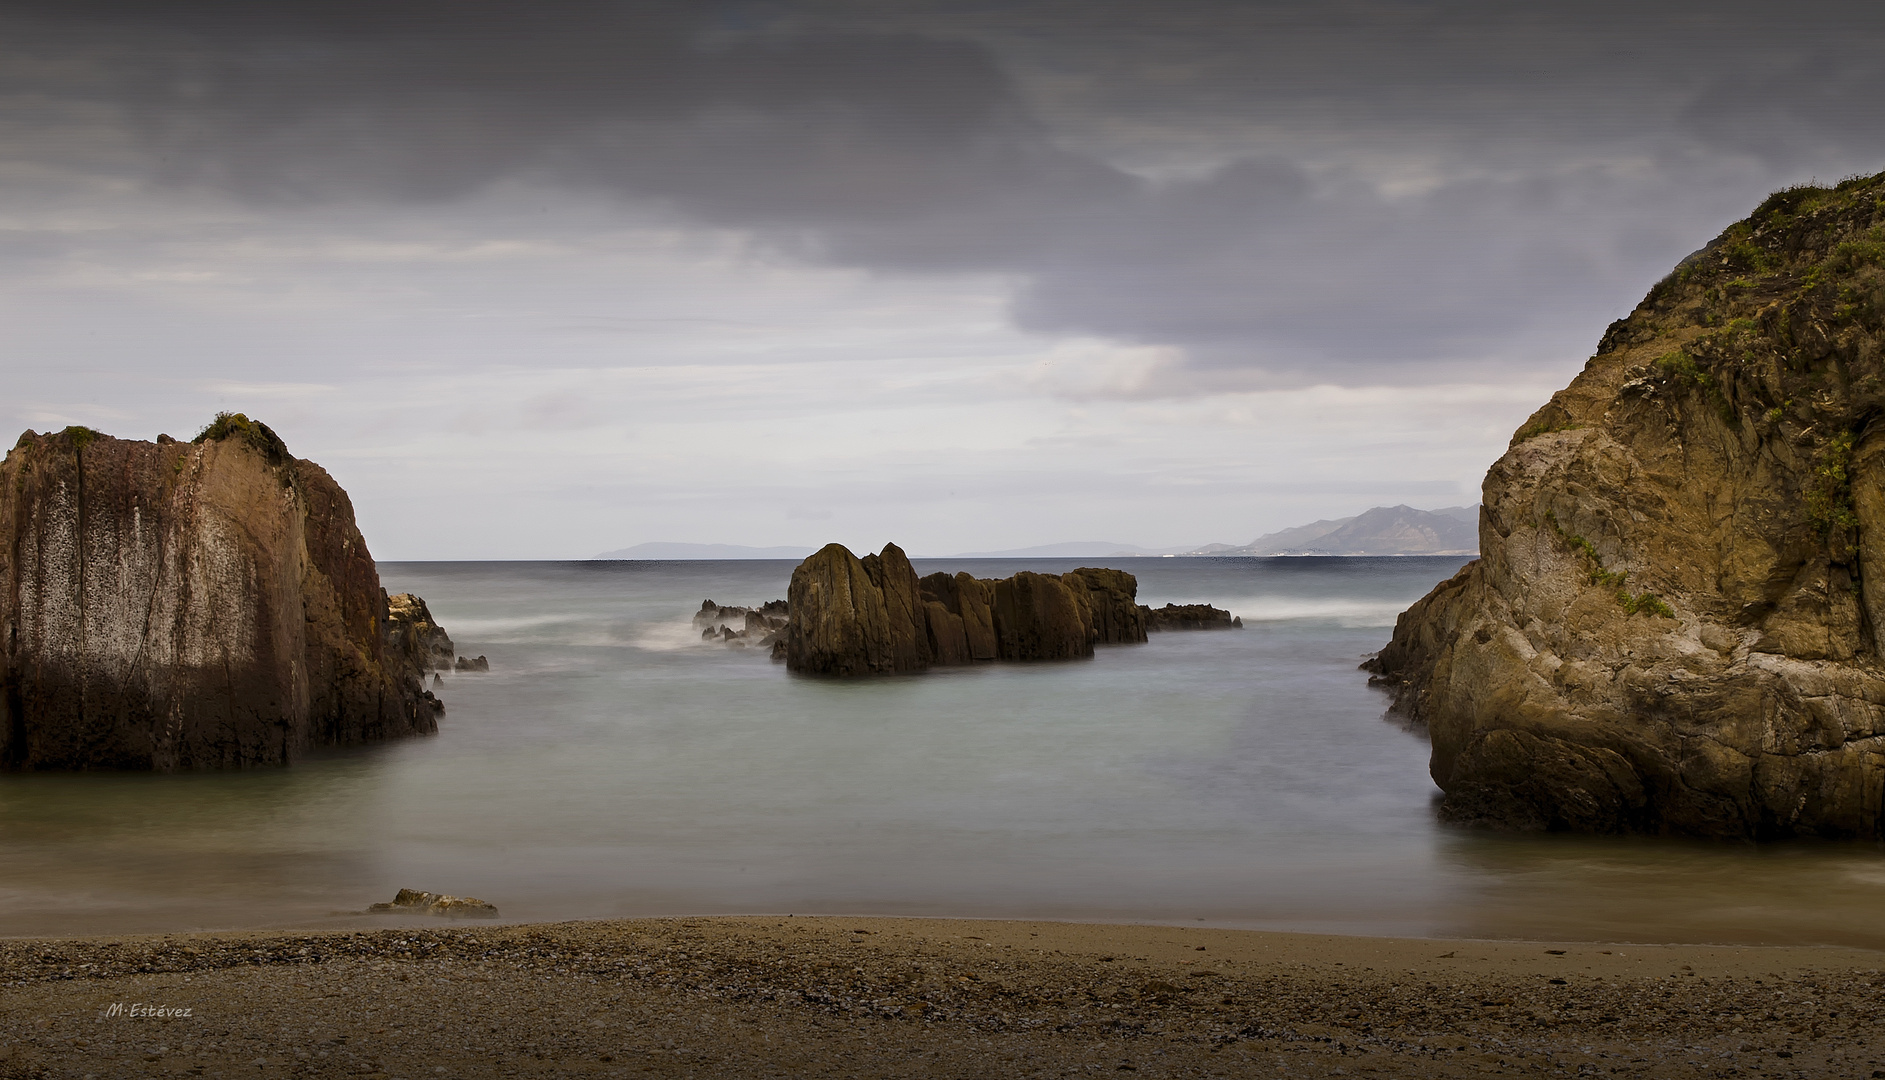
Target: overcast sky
x=540 y=280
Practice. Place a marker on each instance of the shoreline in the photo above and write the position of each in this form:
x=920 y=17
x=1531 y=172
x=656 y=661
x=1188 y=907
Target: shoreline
x=816 y=995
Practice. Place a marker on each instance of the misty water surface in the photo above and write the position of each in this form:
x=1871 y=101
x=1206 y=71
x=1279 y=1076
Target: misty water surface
x=613 y=764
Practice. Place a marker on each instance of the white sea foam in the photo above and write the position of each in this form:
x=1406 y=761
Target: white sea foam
x=668 y=636
x=505 y=629
x=1353 y=614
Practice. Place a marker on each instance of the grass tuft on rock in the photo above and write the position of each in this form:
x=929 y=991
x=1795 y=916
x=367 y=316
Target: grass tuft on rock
x=234 y=425
x=81 y=436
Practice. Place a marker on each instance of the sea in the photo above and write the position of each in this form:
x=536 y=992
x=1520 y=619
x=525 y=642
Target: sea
x=613 y=764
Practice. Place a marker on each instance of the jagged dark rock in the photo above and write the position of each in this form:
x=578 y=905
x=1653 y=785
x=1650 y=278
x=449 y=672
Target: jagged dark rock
x=192 y=605
x=758 y=627
x=1676 y=622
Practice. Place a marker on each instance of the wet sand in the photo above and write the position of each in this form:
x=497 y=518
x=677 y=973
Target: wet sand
x=867 y=997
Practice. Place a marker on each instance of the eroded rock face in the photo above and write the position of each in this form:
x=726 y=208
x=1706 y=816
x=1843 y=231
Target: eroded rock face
x=1676 y=622
x=851 y=616
x=196 y=605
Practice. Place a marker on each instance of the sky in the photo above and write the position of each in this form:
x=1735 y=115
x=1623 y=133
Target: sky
x=543 y=280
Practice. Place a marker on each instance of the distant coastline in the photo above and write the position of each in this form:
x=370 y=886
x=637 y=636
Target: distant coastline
x=660 y=550
x=1381 y=530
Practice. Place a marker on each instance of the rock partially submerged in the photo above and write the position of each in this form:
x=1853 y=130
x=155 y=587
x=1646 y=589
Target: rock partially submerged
x=738 y=627
x=195 y=605
x=852 y=616
x=1677 y=622
x=1191 y=617
x=414 y=902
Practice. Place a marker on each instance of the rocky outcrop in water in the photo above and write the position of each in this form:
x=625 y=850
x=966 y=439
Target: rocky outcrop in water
x=739 y=627
x=1190 y=617
x=196 y=605
x=852 y=616
x=1676 y=624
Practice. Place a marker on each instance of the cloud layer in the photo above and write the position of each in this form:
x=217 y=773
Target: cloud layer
x=1077 y=209
x=1374 y=189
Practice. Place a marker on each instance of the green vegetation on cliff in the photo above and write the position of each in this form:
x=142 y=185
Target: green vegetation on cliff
x=234 y=425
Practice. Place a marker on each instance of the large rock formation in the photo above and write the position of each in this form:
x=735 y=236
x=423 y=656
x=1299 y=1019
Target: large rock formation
x=195 y=605
x=1676 y=623
x=852 y=616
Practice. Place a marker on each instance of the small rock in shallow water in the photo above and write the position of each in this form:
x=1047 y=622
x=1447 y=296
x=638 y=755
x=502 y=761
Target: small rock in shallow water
x=415 y=902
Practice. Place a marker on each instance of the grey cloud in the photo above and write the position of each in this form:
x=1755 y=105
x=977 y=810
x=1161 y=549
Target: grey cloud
x=1576 y=150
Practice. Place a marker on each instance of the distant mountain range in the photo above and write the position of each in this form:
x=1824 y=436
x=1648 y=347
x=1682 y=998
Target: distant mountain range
x=1074 y=549
x=1384 y=530
x=661 y=550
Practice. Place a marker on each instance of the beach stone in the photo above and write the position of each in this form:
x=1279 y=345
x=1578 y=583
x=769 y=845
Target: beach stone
x=195 y=605
x=1675 y=624
x=418 y=902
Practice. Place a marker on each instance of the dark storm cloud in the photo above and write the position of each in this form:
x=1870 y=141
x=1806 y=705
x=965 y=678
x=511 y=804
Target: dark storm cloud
x=1378 y=187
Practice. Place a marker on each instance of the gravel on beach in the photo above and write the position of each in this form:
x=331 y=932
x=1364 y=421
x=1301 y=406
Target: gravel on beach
x=791 y=996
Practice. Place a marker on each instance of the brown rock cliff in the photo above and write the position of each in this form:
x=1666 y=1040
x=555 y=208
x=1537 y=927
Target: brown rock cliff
x=196 y=605
x=1676 y=622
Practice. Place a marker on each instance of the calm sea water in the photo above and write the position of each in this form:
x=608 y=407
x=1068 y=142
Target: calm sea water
x=612 y=764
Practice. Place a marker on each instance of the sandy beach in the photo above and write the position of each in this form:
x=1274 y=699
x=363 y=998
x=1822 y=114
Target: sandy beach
x=874 y=997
